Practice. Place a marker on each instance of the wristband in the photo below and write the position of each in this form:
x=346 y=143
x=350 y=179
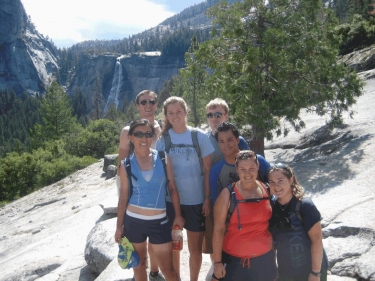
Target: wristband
x=317 y=274
x=208 y=197
x=216 y=262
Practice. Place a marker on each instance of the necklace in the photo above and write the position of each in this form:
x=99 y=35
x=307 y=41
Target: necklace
x=286 y=205
x=253 y=193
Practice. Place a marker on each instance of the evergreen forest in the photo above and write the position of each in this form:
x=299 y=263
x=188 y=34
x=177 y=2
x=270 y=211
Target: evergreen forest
x=47 y=137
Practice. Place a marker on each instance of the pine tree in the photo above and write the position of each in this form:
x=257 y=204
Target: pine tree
x=270 y=61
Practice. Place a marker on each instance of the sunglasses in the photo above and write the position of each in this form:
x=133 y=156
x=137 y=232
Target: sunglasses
x=216 y=115
x=144 y=102
x=281 y=166
x=140 y=134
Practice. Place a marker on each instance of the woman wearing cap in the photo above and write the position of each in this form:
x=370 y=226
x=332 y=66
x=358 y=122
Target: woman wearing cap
x=243 y=245
x=296 y=229
x=143 y=215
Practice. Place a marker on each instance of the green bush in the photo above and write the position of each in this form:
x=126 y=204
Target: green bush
x=100 y=137
x=21 y=174
x=358 y=34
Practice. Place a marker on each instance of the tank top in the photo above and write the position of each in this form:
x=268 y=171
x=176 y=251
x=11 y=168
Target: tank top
x=254 y=239
x=148 y=194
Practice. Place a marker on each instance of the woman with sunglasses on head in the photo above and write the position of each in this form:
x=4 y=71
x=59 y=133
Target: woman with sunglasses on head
x=143 y=215
x=192 y=176
x=296 y=229
x=242 y=243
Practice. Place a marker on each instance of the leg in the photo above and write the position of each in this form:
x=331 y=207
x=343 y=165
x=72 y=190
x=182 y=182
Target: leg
x=163 y=253
x=154 y=268
x=195 y=240
x=140 y=273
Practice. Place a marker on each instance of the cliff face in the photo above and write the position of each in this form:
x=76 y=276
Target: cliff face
x=27 y=59
x=123 y=77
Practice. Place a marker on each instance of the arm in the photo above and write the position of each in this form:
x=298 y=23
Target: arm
x=315 y=234
x=207 y=192
x=178 y=220
x=220 y=215
x=124 y=146
x=122 y=203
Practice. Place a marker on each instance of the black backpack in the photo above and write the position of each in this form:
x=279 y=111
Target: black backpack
x=233 y=203
x=131 y=175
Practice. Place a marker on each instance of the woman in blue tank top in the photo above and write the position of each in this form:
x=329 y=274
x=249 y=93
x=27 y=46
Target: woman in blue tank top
x=143 y=215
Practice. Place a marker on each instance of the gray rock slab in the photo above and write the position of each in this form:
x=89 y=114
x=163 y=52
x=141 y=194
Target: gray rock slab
x=101 y=247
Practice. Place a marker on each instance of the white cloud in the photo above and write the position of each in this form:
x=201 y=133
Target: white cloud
x=79 y=20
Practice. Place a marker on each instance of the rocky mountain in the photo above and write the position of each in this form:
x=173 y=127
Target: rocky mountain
x=27 y=59
x=65 y=231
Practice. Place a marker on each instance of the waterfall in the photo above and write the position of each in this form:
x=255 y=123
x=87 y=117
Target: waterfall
x=116 y=86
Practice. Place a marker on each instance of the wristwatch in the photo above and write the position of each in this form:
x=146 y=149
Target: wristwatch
x=317 y=274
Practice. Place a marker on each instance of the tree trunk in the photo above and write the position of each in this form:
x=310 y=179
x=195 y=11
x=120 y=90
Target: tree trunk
x=257 y=142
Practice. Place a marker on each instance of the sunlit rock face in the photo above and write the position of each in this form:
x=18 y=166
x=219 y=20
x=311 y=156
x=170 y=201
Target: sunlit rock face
x=27 y=60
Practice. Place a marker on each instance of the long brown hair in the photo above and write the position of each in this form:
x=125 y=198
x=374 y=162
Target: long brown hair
x=288 y=172
x=167 y=102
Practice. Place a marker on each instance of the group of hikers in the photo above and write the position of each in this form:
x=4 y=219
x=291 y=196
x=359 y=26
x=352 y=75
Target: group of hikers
x=250 y=216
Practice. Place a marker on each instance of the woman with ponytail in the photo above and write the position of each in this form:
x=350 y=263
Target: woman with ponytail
x=193 y=186
x=296 y=229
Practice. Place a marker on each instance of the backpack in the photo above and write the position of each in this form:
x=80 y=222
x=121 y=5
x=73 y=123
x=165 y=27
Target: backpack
x=194 y=137
x=131 y=175
x=233 y=203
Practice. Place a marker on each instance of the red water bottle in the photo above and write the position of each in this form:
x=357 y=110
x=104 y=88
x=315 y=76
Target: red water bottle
x=177 y=238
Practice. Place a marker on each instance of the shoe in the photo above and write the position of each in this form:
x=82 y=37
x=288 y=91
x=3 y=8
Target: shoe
x=159 y=277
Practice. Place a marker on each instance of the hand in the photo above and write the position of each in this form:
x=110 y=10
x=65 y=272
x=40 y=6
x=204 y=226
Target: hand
x=206 y=207
x=219 y=270
x=118 y=235
x=179 y=221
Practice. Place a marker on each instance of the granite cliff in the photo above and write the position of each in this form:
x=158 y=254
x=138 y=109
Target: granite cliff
x=27 y=59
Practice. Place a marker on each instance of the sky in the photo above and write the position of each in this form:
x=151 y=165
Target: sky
x=68 y=22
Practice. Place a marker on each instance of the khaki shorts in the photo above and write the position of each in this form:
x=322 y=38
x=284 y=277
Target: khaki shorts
x=207 y=237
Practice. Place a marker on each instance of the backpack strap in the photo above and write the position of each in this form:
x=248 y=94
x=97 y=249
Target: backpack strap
x=162 y=158
x=297 y=210
x=167 y=141
x=130 y=175
x=194 y=137
x=232 y=204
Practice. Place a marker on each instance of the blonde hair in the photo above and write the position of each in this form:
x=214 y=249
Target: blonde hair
x=167 y=102
x=218 y=102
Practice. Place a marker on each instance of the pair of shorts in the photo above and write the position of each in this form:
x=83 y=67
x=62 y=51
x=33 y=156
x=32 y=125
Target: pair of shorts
x=262 y=268
x=195 y=221
x=137 y=230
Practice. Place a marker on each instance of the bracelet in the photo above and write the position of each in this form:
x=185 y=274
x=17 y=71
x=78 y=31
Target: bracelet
x=216 y=262
x=207 y=197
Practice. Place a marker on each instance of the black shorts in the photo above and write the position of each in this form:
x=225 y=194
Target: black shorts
x=261 y=268
x=137 y=230
x=195 y=221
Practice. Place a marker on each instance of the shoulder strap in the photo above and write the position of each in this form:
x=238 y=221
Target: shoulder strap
x=130 y=175
x=194 y=137
x=297 y=210
x=167 y=141
x=162 y=158
x=232 y=203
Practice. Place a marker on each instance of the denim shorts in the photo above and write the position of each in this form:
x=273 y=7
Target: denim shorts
x=137 y=230
x=195 y=221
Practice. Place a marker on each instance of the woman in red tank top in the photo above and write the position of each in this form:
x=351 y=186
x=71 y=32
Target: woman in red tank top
x=242 y=247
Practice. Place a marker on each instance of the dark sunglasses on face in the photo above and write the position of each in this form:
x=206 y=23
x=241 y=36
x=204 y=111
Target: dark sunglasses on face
x=216 y=115
x=140 y=134
x=144 y=102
